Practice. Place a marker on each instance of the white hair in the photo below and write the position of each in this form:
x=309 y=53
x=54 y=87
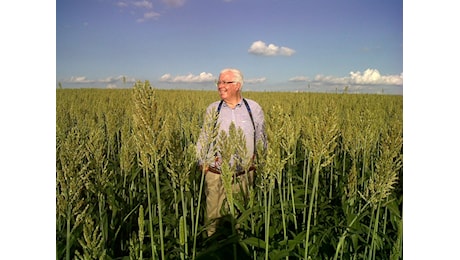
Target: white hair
x=236 y=73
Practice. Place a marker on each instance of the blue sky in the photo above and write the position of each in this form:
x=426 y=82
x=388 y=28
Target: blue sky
x=279 y=45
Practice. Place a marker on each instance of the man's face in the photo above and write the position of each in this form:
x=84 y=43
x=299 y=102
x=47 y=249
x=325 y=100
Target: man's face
x=228 y=91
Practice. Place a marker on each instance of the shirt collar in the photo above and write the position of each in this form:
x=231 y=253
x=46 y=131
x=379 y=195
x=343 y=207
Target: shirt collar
x=237 y=105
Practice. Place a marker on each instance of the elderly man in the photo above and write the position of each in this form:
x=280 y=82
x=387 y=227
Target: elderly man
x=246 y=115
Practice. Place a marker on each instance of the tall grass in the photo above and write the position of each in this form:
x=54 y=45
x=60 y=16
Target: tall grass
x=328 y=186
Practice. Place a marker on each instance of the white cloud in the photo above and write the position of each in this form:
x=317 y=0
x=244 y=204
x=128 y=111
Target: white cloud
x=122 y=4
x=262 y=49
x=78 y=79
x=108 y=80
x=285 y=51
x=255 y=81
x=174 y=3
x=332 y=79
x=146 y=6
x=143 y=4
x=373 y=77
x=299 y=79
x=166 y=77
x=148 y=16
x=368 y=77
x=189 y=78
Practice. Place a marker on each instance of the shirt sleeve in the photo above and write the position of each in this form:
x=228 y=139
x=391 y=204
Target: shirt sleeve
x=201 y=152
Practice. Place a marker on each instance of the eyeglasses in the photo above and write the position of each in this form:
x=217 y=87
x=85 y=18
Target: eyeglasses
x=225 y=82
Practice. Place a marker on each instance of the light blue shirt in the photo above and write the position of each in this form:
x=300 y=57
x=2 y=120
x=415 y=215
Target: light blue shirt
x=239 y=115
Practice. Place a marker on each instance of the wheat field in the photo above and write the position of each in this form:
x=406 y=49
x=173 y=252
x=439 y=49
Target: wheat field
x=329 y=185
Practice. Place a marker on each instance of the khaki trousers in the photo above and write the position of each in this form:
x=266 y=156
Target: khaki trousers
x=215 y=195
